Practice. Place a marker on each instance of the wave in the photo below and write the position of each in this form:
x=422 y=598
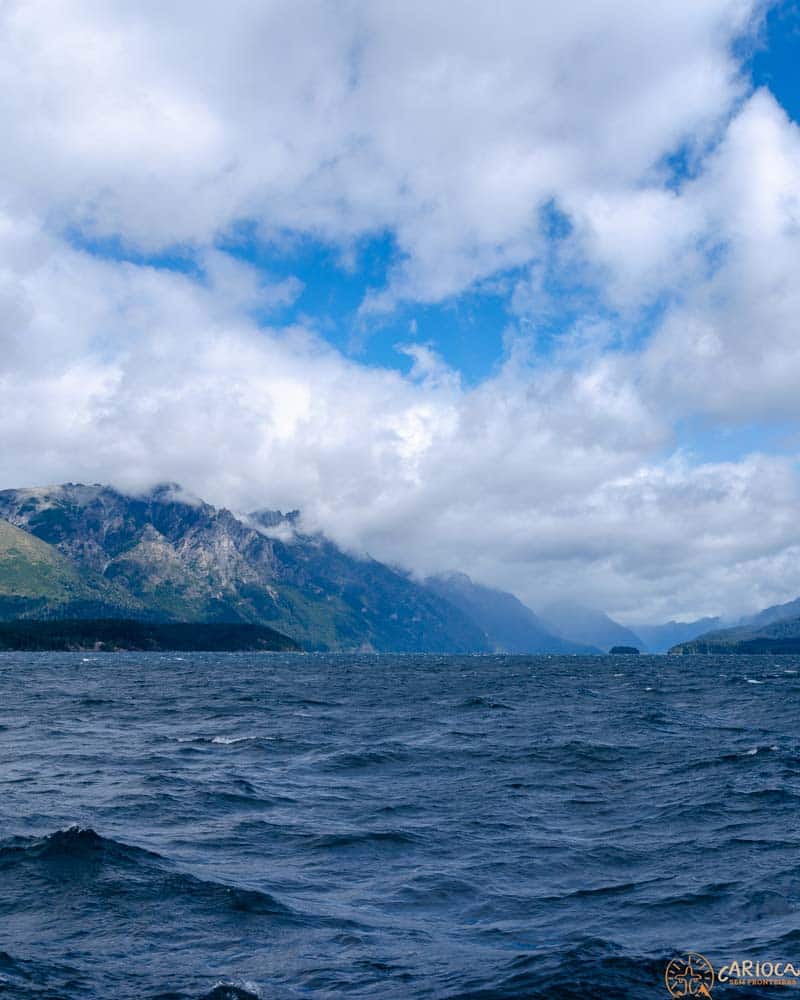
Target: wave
x=419 y=842
x=231 y=991
x=390 y=838
x=594 y=968
x=750 y=752
x=71 y=843
x=225 y=739
x=76 y=849
x=477 y=701
x=366 y=758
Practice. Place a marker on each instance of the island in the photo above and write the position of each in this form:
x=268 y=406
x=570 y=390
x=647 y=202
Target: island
x=120 y=634
x=623 y=651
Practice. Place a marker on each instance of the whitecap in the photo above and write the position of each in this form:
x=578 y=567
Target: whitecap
x=228 y=740
x=239 y=985
x=751 y=681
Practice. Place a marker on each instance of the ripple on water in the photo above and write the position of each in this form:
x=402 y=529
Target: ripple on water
x=407 y=828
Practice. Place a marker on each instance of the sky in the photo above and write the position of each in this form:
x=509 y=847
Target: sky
x=508 y=289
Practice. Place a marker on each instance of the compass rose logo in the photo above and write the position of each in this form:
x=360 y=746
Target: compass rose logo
x=689 y=975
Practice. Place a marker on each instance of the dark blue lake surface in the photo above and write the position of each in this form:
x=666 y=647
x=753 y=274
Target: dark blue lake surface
x=237 y=826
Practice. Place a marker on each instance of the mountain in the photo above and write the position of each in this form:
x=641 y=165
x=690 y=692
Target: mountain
x=660 y=638
x=782 y=636
x=36 y=579
x=587 y=625
x=775 y=613
x=775 y=629
x=167 y=556
x=510 y=626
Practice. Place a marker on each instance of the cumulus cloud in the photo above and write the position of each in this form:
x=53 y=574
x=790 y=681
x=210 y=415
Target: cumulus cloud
x=729 y=346
x=460 y=131
x=449 y=126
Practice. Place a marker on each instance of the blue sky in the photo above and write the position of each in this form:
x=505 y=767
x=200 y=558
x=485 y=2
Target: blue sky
x=467 y=329
x=775 y=61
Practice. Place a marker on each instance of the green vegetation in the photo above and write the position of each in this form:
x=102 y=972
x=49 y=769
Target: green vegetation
x=30 y=568
x=116 y=634
x=758 y=637
x=158 y=558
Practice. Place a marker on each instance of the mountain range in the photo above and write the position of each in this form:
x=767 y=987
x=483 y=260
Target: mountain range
x=774 y=630
x=588 y=625
x=509 y=625
x=660 y=638
x=91 y=552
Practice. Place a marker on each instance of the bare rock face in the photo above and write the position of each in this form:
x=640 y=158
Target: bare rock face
x=168 y=556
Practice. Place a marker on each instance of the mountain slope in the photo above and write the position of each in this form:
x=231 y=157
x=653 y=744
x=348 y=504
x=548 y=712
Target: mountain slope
x=775 y=613
x=177 y=558
x=510 y=626
x=35 y=578
x=586 y=625
x=781 y=636
x=660 y=638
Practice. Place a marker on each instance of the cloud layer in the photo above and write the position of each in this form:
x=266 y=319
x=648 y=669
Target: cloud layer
x=463 y=133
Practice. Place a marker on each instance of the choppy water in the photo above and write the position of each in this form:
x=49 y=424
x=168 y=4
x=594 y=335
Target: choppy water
x=391 y=827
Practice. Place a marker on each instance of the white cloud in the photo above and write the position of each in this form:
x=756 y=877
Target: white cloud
x=164 y=124
x=451 y=126
x=729 y=346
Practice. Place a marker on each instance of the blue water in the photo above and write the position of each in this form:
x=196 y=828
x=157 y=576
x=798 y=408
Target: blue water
x=239 y=826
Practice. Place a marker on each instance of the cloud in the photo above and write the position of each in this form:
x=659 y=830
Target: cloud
x=449 y=128
x=562 y=473
x=729 y=347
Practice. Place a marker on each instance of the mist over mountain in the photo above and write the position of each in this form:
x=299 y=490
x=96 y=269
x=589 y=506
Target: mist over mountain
x=660 y=638
x=510 y=626
x=774 y=613
x=776 y=636
x=589 y=626
x=91 y=551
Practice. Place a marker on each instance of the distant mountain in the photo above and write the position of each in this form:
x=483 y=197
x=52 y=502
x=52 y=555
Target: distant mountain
x=660 y=638
x=510 y=626
x=775 y=613
x=775 y=629
x=588 y=626
x=782 y=636
x=166 y=556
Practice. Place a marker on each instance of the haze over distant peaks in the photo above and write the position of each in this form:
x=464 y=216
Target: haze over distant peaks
x=510 y=626
x=165 y=555
x=168 y=556
x=660 y=638
x=587 y=625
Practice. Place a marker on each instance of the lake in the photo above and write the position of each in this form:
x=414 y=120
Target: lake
x=177 y=827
